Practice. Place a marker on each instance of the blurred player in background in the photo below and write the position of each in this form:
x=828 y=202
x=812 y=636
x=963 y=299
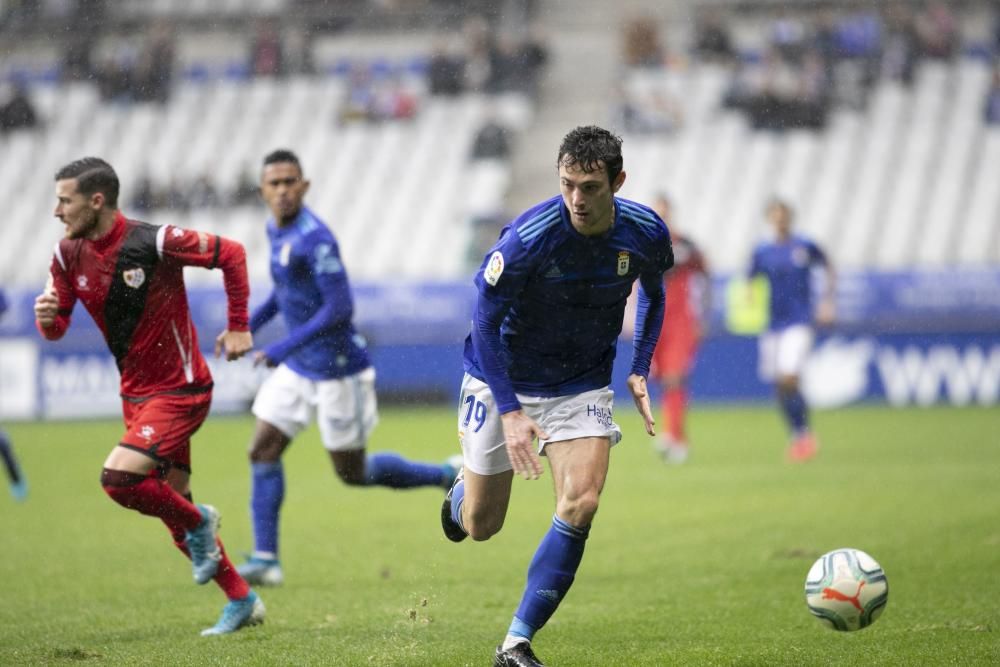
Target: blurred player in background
x=18 y=483
x=688 y=293
x=130 y=277
x=538 y=362
x=787 y=261
x=322 y=366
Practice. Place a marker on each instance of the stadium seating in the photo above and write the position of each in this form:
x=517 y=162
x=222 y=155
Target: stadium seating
x=400 y=195
x=911 y=181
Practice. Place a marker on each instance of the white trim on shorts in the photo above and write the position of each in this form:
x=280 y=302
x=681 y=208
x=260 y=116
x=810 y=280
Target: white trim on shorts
x=784 y=352
x=346 y=408
x=585 y=415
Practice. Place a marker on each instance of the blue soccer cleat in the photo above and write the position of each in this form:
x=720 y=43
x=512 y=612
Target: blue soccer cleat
x=238 y=614
x=19 y=490
x=450 y=470
x=262 y=571
x=203 y=546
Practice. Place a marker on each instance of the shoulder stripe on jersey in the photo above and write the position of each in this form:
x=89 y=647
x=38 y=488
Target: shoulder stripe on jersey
x=639 y=215
x=537 y=225
x=59 y=257
x=161 y=235
x=638 y=212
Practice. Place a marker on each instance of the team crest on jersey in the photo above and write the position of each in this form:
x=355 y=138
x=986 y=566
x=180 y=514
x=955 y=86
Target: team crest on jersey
x=494 y=268
x=81 y=282
x=134 y=278
x=285 y=254
x=147 y=432
x=623 y=260
x=800 y=256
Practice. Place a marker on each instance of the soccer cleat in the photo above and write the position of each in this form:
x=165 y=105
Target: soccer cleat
x=450 y=470
x=238 y=614
x=261 y=571
x=671 y=451
x=804 y=448
x=202 y=544
x=19 y=490
x=520 y=655
x=452 y=530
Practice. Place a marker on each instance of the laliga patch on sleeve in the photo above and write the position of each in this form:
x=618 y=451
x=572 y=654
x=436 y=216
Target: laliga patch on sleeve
x=494 y=268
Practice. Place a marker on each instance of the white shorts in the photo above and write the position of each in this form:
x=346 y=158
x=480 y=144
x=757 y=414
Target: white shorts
x=784 y=351
x=346 y=409
x=586 y=415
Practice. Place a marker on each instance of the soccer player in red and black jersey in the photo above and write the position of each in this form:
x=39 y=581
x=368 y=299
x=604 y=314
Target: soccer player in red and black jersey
x=129 y=276
x=687 y=296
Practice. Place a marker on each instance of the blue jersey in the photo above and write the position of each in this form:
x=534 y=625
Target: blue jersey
x=551 y=301
x=788 y=267
x=312 y=293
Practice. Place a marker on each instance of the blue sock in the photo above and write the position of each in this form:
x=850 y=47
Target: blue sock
x=793 y=404
x=457 y=498
x=550 y=575
x=392 y=470
x=267 y=493
x=10 y=462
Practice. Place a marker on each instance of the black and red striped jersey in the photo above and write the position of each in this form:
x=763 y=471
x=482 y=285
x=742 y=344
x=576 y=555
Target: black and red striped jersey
x=131 y=281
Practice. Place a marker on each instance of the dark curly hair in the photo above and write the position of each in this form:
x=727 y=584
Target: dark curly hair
x=589 y=146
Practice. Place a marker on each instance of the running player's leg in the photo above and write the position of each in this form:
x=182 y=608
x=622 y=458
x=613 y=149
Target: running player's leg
x=282 y=408
x=794 y=344
x=579 y=469
x=347 y=413
x=18 y=483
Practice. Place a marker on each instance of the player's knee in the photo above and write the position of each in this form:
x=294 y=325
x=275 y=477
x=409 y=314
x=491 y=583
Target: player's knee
x=579 y=510
x=119 y=484
x=482 y=526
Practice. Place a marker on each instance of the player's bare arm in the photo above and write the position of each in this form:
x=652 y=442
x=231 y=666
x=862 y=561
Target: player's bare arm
x=640 y=394
x=234 y=343
x=519 y=432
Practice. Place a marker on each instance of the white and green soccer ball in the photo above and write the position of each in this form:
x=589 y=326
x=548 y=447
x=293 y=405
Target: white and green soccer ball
x=846 y=589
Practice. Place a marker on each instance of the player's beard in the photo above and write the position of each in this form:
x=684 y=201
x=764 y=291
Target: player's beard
x=85 y=227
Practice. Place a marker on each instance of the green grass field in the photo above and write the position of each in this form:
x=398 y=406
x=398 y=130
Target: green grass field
x=697 y=565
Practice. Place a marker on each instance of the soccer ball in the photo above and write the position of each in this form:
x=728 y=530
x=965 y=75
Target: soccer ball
x=846 y=589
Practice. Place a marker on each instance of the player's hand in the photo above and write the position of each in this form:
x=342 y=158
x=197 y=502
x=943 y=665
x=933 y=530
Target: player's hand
x=640 y=394
x=826 y=312
x=234 y=343
x=46 y=308
x=519 y=432
x=260 y=358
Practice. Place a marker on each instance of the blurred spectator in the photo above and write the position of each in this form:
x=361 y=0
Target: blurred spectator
x=174 y=198
x=900 y=47
x=204 y=194
x=144 y=199
x=76 y=57
x=445 y=72
x=642 y=43
x=651 y=111
x=359 y=102
x=299 y=51
x=154 y=70
x=266 y=53
x=992 y=109
x=246 y=191
x=712 y=41
x=16 y=109
x=479 y=49
x=492 y=141
x=937 y=31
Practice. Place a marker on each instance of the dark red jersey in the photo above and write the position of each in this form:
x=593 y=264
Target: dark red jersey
x=131 y=281
x=684 y=289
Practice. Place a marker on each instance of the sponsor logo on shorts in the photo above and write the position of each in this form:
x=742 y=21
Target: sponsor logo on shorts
x=601 y=414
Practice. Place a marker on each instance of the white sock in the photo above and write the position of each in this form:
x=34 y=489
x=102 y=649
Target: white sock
x=510 y=641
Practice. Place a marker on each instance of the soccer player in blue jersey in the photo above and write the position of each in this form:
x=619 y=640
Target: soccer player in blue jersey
x=788 y=262
x=322 y=367
x=538 y=361
x=18 y=483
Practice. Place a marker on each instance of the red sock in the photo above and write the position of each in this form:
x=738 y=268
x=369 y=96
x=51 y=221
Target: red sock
x=674 y=403
x=228 y=579
x=151 y=496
